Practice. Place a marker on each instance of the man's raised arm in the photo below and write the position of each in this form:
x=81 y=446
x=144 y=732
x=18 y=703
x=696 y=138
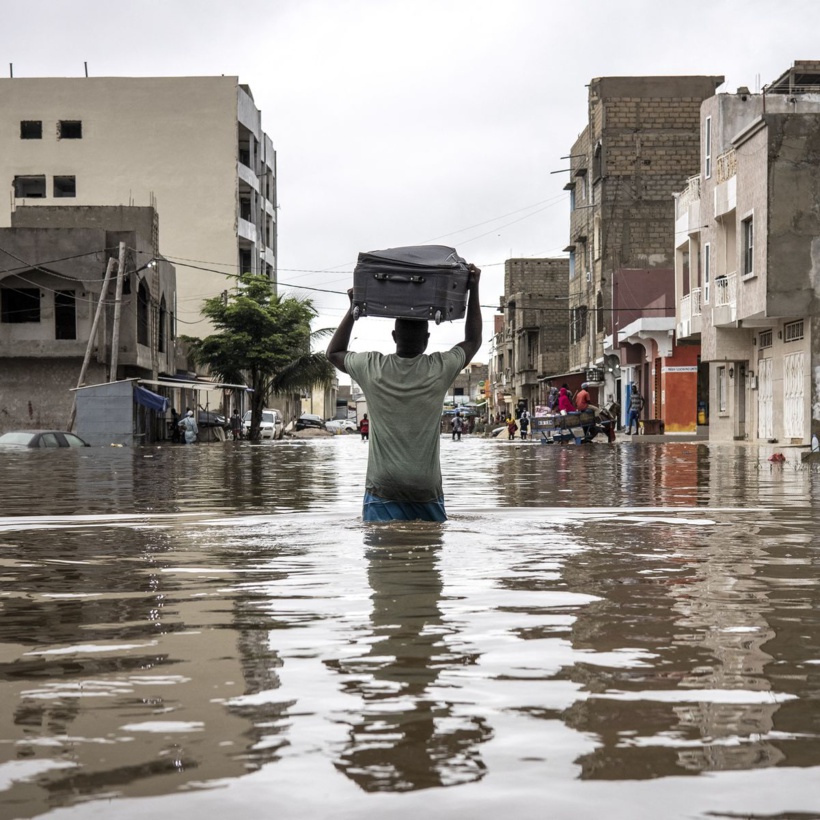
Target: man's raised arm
x=473 y=325
x=337 y=349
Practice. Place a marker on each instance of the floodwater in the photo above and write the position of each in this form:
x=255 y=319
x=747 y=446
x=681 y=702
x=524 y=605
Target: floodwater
x=626 y=631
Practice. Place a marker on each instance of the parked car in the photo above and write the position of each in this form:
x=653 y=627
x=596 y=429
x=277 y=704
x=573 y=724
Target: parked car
x=341 y=426
x=271 y=427
x=208 y=418
x=39 y=439
x=309 y=420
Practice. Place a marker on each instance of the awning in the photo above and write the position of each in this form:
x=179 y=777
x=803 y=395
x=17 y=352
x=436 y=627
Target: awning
x=195 y=385
x=153 y=401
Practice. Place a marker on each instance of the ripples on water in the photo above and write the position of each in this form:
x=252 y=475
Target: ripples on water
x=625 y=631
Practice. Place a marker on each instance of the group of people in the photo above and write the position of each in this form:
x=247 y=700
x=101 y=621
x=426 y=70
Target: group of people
x=560 y=401
x=184 y=429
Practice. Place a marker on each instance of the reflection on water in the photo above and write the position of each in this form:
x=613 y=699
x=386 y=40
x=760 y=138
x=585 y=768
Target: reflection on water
x=216 y=624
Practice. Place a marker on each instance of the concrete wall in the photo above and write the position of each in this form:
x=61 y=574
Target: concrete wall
x=172 y=139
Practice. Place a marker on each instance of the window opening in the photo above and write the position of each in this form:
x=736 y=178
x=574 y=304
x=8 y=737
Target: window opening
x=65 y=187
x=31 y=129
x=20 y=305
x=163 y=313
x=748 y=246
x=793 y=332
x=707 y=148
x=765 y=339
x=143 y=300
x=65 y=315
x=721 y=380
x=70 y=130
x=707 y=270
x=30 y=187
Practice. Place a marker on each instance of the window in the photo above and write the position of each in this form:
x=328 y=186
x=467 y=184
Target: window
x=163 y=315
x=20 y=305
x=793 y=331
x=707 y=271
x=245 y=261
x=65 y=187
x=65 y=315
x=31 y=130
x=722 y=389
x=600 y=312
x=765 y=338
x=707 y=148
x=572 y=264
x=596 y=238
x=30 y=187
x=748 y=246
x=70 y=130
x=143 y=300
x=578 y=324
x=584 y=187
x=597 y=161
x=572 y=198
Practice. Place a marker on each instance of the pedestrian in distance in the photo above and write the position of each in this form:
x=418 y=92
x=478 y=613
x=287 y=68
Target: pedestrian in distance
x=458 y=426
x=565 y=404
x=364 y=428
x=175 y=431
x=405 y=391
x=635 y=408
x=236 y=425
x=189 y=428
x=524 y=424
x=511 y=428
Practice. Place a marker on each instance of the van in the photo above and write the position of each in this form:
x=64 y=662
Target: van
x=272 y=425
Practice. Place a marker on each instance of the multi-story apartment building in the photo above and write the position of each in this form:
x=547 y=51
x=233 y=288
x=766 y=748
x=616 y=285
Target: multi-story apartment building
x=48 y=309
x=639 y=146
x=192 y=147
x=530 y=343
x=747 y=269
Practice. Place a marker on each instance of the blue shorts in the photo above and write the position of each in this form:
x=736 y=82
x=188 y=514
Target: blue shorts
x=381 y=509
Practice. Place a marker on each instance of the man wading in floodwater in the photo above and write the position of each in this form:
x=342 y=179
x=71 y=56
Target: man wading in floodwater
x=405 y=392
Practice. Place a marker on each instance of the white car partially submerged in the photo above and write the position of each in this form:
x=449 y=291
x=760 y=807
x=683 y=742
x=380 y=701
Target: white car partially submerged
x=271 y=427
x=341 y=426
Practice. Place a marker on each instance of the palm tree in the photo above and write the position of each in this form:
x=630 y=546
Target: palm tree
x=264 y=338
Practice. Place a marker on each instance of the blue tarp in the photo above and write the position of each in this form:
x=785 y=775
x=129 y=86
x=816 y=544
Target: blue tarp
x=153 y=401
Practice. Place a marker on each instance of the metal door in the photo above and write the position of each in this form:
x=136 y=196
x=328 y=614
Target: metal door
x=765 y=426
x=793 y=395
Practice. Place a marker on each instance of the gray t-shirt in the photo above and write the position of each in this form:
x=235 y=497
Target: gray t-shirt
x=404 y=402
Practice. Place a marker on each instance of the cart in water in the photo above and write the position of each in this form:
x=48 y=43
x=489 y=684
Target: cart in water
x=579 y=427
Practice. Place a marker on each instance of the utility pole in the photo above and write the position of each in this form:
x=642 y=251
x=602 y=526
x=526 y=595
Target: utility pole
x=115 y=331
x=108 y=271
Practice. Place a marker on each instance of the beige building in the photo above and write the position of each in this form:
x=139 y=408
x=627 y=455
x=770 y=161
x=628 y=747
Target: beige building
x=192 y=147
x=747 y=269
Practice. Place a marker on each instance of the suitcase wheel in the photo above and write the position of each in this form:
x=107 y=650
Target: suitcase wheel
x=438 y=317
x=356 y=313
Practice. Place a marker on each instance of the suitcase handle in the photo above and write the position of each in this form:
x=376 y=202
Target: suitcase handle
x=394 y=277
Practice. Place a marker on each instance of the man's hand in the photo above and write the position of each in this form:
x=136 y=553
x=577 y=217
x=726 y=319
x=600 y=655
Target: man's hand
x=473 y=325
x=337 y=349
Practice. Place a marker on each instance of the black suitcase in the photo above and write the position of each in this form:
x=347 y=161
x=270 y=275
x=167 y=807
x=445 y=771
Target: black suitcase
x=418 y=282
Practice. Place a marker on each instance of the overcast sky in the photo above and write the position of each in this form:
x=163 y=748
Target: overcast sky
x=399 y=122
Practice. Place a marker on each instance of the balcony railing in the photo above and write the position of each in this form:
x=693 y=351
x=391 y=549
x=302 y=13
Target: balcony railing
x=726 y=290
x=726 y=166
x=695 y=294
x=691 y=193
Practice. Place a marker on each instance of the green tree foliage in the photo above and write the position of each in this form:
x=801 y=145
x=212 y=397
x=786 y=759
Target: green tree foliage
x=262 y=339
